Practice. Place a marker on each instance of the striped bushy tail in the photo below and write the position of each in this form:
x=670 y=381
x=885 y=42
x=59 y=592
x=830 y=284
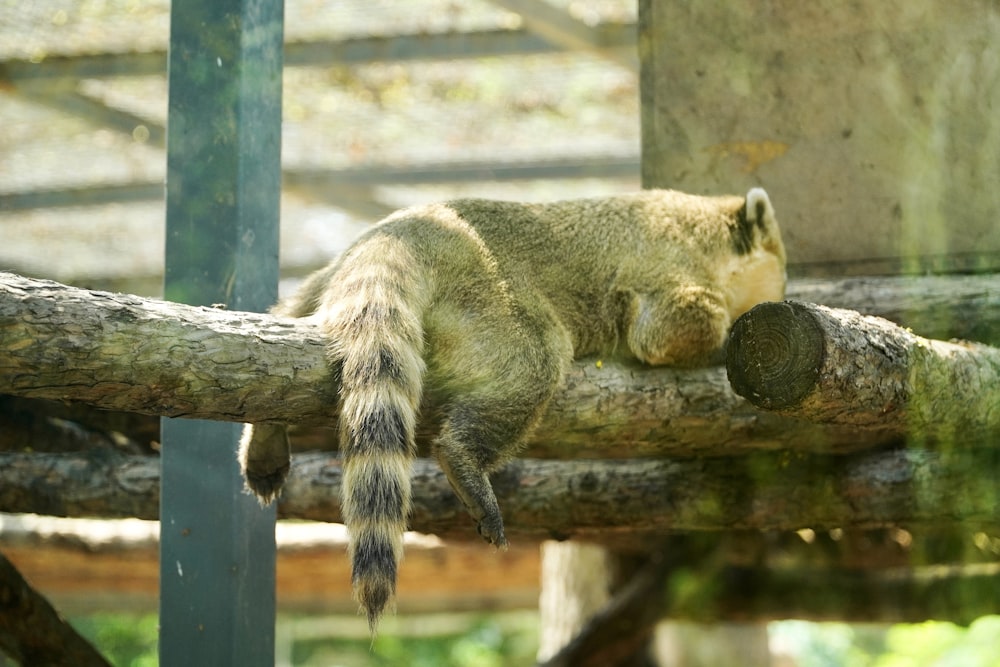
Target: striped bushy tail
x=372 y=310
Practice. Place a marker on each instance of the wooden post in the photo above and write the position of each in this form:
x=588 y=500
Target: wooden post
x=217 y=552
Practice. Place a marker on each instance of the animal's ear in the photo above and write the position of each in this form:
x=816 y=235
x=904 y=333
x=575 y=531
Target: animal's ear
x=758 y=208
x=754 y=223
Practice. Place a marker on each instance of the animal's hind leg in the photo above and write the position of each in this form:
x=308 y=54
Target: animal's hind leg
x=480 y=434
x=503 y=372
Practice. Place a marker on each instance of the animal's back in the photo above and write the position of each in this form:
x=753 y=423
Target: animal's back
x=483 y=304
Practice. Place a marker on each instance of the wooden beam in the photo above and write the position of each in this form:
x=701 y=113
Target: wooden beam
x=83 y=565
x=87 y=565
x=69 y=100
x=85 y=195
x=217 y=553
x=318 y=180
x=945 y=307
x=260 y=368
x=569 y=499
x=174 y=360
x=561 y=29
x=321 y=53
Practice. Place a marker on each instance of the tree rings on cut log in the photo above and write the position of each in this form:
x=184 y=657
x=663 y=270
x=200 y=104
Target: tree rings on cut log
x=775 y=354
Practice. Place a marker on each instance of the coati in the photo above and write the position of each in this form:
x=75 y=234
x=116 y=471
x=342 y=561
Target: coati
x=481 y=305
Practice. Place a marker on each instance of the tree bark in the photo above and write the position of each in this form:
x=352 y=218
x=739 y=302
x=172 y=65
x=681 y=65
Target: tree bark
x=32 y=632
x=621 y=503
x=933 y=306
x=943 y=307
x=120 y=352
x=838 y=367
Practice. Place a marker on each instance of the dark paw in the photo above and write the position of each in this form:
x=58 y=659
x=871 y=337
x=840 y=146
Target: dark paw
x=491 y=530
x=266 y=485
x=264 y=460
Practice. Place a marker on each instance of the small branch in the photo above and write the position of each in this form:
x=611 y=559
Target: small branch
x=32 y=632
x=622 y=626
x=839 y=367
x=561 y=499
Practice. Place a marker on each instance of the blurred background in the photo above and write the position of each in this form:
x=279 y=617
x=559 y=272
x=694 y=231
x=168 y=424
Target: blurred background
x=385 y=105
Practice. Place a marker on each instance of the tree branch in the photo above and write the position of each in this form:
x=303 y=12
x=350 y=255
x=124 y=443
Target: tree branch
x=943 y=307
x=121 y=352
x=561 y=499
x=32 y=632
x=839 y=367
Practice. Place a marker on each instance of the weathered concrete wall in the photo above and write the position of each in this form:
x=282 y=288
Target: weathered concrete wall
x=874 y=126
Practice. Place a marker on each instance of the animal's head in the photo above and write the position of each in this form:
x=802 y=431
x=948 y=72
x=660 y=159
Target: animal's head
x=756 y=271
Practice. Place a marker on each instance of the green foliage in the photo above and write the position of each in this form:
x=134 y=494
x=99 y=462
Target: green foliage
x=931 y=644
x=485 y=644
x=126 y=640
x=130 y=641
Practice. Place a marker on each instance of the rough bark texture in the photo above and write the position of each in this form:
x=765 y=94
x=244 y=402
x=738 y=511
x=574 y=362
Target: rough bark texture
x=933 y=306
x=617 y=502
x=944 y=307
x=836 y=366
x=32 y=632
x=121 y=352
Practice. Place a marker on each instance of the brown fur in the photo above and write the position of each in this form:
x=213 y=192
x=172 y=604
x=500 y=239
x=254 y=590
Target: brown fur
x=484 y=304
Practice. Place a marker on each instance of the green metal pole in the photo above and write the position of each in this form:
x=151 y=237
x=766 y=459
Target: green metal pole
x=217 y=550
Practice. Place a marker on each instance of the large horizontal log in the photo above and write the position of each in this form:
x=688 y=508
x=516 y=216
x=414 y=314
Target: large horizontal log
x=836 y=366
x=122 y=352
x=706 y=415
x=616 y=501
x=126 y=353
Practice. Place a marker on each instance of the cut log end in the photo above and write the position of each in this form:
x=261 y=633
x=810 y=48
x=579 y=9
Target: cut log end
x=775 y=354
